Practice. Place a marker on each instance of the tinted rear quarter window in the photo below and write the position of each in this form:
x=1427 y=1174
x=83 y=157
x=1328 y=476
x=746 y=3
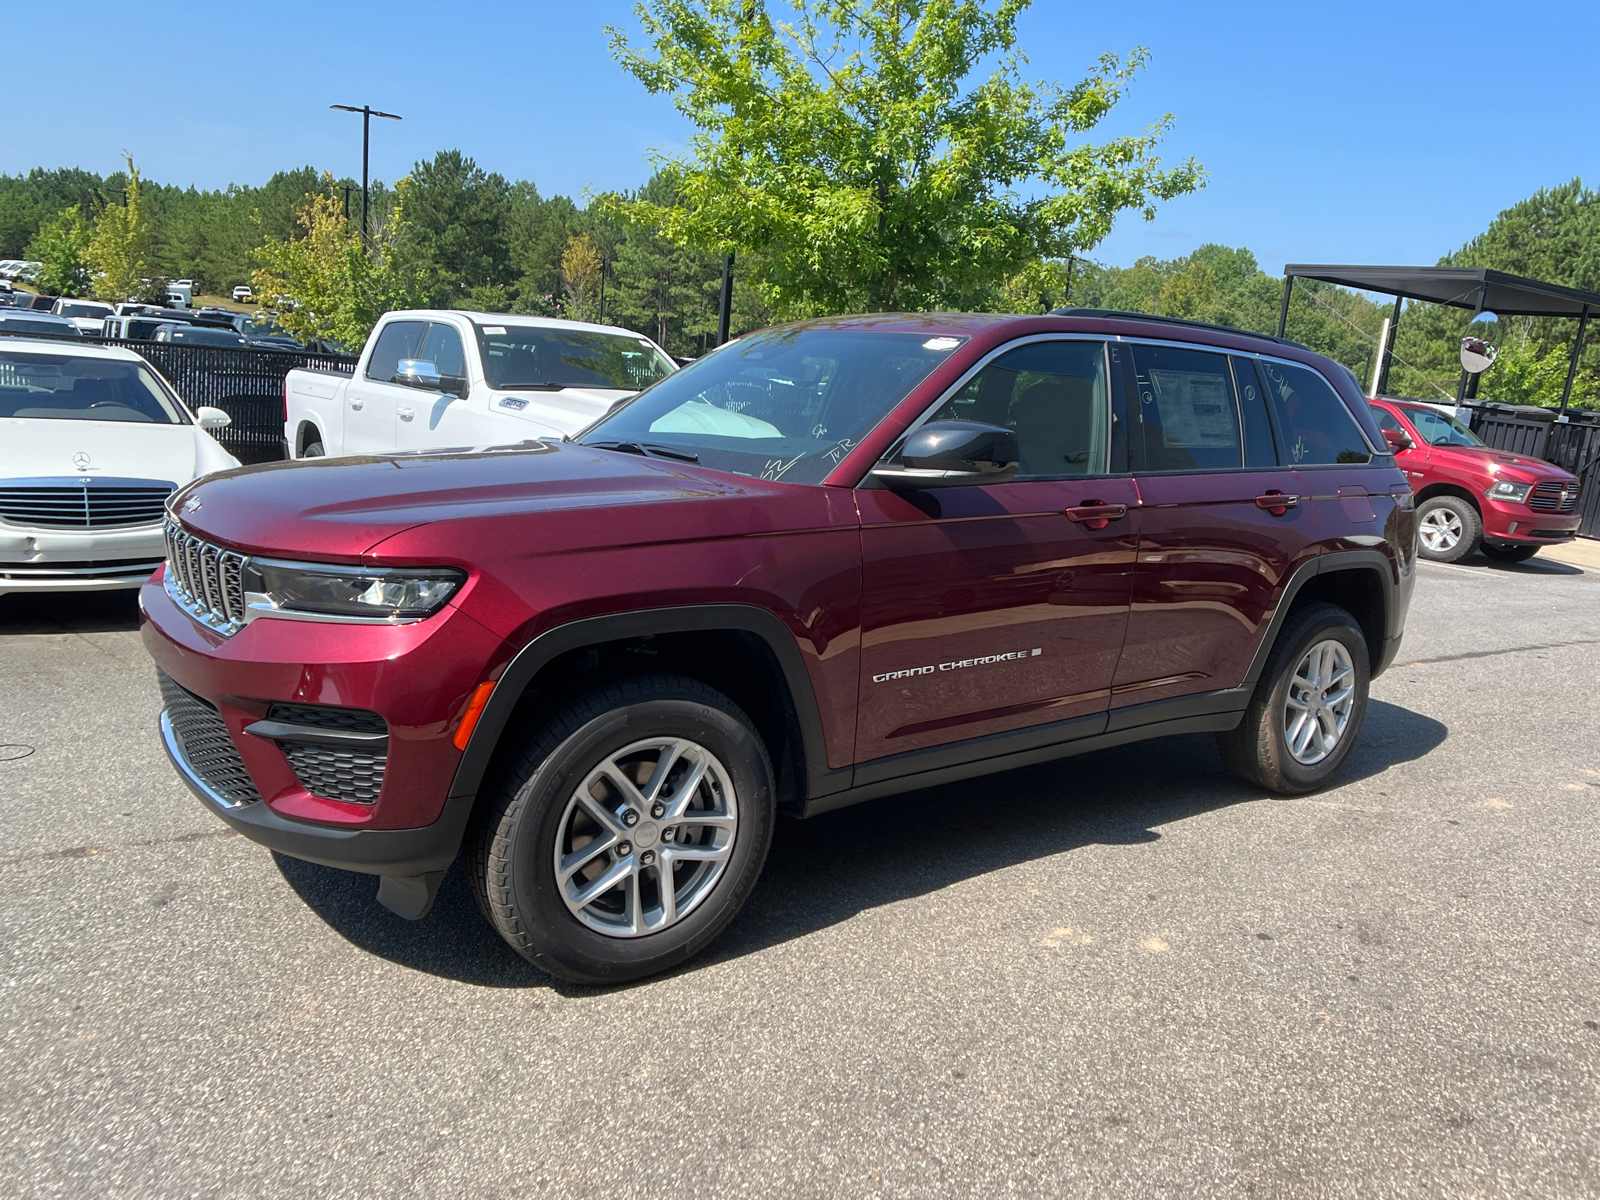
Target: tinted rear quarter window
x=398 y=340
x=1187 y=419
x=1318 y=429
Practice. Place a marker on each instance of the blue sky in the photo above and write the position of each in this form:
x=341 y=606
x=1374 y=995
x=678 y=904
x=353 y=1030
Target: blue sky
x=1357 y=132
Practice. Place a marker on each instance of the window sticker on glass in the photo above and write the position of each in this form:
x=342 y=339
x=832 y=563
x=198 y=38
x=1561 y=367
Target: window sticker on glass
x=495 y=329
x=941 y=343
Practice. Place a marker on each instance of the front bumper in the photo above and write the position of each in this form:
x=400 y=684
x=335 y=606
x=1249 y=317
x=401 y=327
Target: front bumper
x=418 y=677
x=1520 y=525
x=53 y=560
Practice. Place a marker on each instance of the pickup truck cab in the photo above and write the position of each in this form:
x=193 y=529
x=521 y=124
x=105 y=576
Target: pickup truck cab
x=823 y=563
x=430 y=379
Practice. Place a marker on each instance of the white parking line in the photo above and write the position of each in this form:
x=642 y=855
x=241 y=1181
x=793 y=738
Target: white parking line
x=1476 y=572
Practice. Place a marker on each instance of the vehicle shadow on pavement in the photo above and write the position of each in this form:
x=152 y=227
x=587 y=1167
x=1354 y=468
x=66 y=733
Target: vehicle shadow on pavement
x=827 y=869
x=69 y=612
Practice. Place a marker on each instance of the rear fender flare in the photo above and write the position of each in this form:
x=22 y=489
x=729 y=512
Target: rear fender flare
x=1336 y=560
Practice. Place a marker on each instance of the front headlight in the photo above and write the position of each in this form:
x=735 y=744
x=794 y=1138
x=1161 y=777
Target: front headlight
x=377 y=593
x=1511 y=493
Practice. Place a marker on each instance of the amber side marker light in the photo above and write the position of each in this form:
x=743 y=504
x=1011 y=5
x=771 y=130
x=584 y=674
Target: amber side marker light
x=469 y=719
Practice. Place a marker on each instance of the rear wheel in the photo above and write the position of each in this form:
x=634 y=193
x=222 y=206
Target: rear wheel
x=630 y=832
x=1510 y=554
x=313 y=450
x=1308 y=707
x=1448 y=528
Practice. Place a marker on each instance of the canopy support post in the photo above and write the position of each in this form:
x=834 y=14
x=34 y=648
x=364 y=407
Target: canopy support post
x=1388 y=348
x=1572 y=367
x=1283 y=310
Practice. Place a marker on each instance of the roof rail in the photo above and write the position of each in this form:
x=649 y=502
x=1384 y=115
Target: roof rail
x=1120 y=315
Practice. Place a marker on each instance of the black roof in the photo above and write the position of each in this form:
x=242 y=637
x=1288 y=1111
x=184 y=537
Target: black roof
x=1120 y=315
x=1472 y=288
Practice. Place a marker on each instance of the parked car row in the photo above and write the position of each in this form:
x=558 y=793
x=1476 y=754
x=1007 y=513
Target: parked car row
x=18 y=268
x=142 y=322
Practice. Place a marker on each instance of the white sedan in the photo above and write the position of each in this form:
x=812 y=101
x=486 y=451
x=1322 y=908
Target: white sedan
x=92 y=442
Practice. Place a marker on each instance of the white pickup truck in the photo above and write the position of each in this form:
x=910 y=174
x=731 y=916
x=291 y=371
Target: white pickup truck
x=430 y=379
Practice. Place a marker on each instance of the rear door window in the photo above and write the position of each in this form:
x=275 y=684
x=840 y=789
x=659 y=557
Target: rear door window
x=1318 y=429
x=1054 y=395
x=399 y=339
x=1187 y=418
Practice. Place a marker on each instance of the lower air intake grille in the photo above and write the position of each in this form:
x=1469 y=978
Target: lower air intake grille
x=206 y=744
x=336 y=774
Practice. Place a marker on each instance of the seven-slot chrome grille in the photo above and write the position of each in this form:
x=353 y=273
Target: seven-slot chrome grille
x=1553 y=497
x=70 y=503
x=206 y=579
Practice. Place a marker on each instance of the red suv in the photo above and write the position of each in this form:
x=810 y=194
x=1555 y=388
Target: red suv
x=827 y=562
x=1471 y=496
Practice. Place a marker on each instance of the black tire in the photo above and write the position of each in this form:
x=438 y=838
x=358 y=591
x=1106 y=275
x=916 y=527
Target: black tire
x=1258 y=750
x=1442 y=509
x=1508 y=554
x=314 y=450
x=510 y=849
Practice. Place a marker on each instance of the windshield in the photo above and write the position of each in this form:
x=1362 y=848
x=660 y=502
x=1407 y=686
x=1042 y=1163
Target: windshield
x=63 y=388
x=528 y=357
x=71 y=309
x=1437 y=429
x=784 y=404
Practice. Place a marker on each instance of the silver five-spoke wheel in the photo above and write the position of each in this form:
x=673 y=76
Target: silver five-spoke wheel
x=645 y=837
x=1441 y=530
x=1320 y=698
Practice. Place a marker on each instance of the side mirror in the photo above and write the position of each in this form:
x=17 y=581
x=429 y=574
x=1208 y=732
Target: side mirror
x=211 y=418
x=1397 y=439
x=953 y=454
x=420 y=373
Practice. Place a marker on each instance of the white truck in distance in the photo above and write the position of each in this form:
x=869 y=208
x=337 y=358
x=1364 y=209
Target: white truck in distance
x=431 y=379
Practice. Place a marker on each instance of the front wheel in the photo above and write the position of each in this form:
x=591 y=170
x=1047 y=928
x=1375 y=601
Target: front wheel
x=1308 y=707
x=1509 y=554
x=629 y=834
x=1448 y=529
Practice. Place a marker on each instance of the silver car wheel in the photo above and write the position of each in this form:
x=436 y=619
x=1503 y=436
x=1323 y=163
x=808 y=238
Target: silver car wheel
x=1321 y=696
x=645 y=837
x=1441 y=530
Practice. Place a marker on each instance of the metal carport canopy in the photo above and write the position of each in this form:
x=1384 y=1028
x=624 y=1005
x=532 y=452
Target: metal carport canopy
x=1473 y=288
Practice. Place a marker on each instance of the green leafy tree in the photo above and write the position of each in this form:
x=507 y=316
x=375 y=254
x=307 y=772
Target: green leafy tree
x=851 y=149
x=60 y=246
x=581 y=266
x=119 y=253
x=325 y=284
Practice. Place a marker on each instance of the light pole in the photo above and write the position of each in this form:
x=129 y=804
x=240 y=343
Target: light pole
x=367 y=113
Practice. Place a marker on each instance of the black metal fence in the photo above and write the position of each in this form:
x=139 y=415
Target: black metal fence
x=1573 y=444
x=244 y=382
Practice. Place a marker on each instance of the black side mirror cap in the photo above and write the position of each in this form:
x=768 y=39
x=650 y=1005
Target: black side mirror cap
x=952 y=454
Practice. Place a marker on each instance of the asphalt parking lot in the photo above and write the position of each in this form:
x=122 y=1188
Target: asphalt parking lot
x=1122 y=975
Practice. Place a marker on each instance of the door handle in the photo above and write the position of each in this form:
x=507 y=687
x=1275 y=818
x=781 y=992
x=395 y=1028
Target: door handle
x=1277 y=503
x=356 y=402
x=405 y=413
x=1096 y=515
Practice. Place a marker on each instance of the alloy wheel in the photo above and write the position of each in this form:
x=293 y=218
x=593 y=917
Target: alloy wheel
x=645 y=837
x=1441 y=530
x=1319 y=702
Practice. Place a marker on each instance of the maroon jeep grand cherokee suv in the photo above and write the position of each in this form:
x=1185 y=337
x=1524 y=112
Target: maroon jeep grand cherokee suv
x=827 y=562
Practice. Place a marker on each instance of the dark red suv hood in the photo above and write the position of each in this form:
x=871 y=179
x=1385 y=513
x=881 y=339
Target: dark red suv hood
x=335 y=508
x=1489 y=461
